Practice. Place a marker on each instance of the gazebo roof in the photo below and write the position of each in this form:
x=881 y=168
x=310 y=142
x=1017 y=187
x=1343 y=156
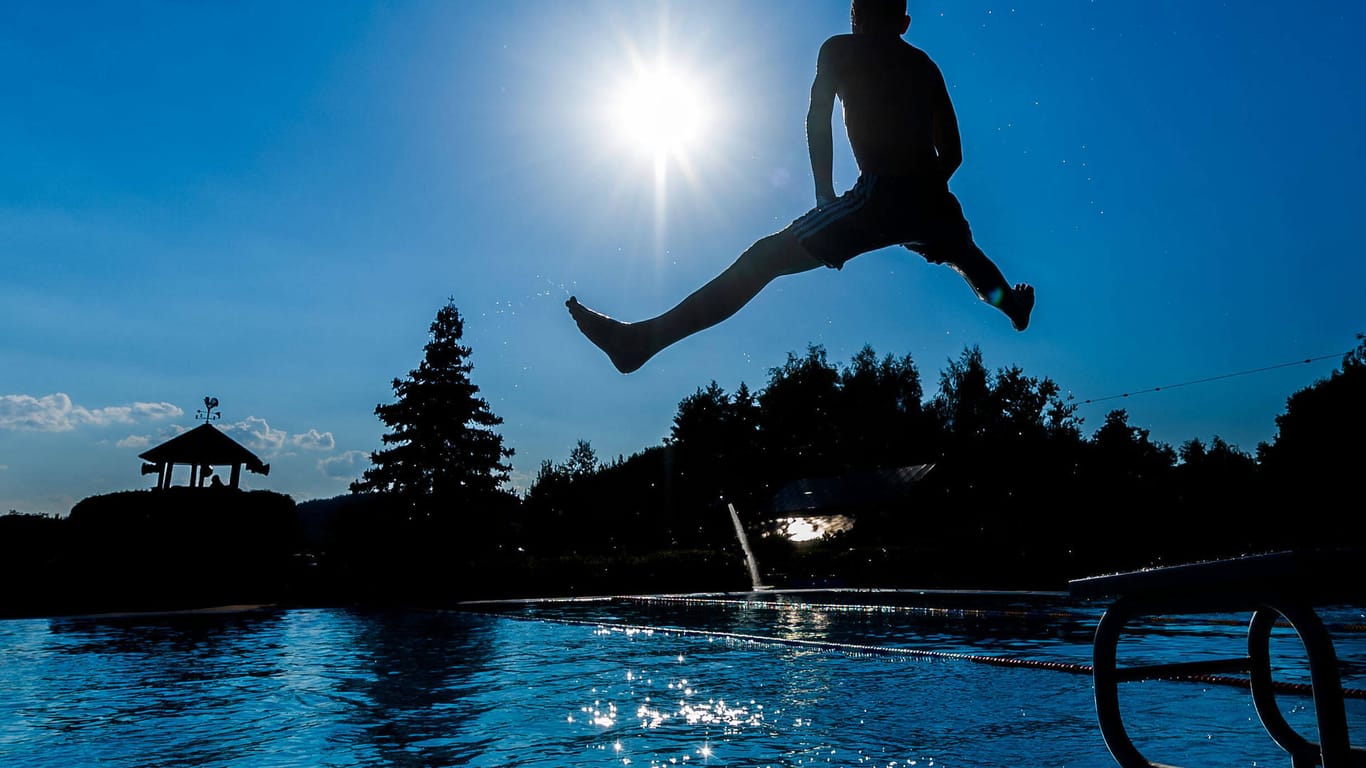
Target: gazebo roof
x=203 y=445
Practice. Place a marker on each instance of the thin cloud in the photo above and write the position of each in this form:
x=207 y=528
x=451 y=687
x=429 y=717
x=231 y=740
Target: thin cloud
x=134 y=441
x=56 y=413
x=157 y=410
x=345 y=466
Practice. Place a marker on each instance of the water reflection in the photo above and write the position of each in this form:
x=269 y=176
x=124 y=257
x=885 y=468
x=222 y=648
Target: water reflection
x=149 y=678
x=317 y=687
x=412 y=700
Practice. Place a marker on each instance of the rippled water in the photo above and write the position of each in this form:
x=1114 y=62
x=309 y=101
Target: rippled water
x=720 y=681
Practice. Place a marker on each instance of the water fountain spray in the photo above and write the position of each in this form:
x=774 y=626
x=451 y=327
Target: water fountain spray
x=755 y=580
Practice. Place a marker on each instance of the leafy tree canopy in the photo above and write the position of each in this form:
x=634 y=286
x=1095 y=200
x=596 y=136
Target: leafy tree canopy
x=1317 y=435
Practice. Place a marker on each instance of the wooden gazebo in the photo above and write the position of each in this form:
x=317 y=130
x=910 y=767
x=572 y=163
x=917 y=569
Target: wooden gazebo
x=201 y=448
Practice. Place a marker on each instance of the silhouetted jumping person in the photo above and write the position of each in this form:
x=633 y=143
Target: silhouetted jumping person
x=904 y=135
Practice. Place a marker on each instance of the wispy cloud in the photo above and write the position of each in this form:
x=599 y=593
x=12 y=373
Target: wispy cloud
x=346 y=465
x=253 y=432
x=258 y=435
x=56 y=413
x=167 y=432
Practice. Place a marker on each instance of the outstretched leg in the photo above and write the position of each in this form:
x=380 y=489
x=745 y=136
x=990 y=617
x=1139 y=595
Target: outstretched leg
x=630 y=345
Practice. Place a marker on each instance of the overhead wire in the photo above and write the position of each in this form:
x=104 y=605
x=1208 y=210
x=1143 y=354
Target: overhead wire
x=1208 y=379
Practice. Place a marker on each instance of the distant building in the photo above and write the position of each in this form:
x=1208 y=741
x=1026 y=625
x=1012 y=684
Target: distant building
x=201 y=449
x=849 y=492
x=813 y=508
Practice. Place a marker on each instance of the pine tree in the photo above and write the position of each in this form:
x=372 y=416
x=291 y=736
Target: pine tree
x=444 y=453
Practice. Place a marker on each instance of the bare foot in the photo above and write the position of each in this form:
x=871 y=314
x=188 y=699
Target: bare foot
x=617 y=339
x=1023 y=299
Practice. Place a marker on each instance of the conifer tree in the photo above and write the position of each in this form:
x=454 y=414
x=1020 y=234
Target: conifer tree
x=443 y=452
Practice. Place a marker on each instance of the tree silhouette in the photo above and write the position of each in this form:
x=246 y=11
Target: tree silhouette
x=964 y=395
x=798 y=413
x=882 y=416
x=583 y=460
x=555 y=507
x=1128 y=452
x=443 y=454
x=1215 y=486
x=1314 y=460
x=1317 y=435
x=715 y=444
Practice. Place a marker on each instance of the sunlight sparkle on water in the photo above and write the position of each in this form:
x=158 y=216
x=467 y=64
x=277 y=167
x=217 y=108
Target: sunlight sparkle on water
x=598 y=715
x=718 y=713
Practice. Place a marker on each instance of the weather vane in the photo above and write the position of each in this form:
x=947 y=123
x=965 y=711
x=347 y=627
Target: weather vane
x=210 y=410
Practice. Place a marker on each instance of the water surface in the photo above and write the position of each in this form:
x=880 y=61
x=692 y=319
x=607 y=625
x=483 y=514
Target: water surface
x=720 y=680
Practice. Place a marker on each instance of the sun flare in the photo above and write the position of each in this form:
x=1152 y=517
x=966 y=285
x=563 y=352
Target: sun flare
x=660 y=113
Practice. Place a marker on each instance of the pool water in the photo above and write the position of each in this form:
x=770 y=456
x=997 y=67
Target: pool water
x=820 y=679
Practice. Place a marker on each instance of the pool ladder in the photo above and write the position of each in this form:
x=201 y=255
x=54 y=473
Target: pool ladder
x=1275 y=586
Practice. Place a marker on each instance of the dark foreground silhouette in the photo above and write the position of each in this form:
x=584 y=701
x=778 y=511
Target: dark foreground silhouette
x=906 y=156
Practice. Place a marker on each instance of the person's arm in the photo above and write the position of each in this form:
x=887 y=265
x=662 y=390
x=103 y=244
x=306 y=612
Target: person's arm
x=944 y=130
x=820 y=140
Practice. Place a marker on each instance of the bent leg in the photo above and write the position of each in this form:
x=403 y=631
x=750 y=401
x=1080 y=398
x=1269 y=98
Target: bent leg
x=630 y=345
x=986 y=280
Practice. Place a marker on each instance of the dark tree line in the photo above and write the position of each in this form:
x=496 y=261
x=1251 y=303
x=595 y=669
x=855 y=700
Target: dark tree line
x=1019 y=496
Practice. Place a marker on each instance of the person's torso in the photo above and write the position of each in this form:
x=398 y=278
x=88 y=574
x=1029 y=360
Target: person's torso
x=888 y=90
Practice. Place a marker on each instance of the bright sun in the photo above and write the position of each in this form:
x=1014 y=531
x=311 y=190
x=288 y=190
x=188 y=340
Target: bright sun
x=660 y=112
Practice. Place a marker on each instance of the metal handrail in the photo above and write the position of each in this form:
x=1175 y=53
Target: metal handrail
x=1277 y=586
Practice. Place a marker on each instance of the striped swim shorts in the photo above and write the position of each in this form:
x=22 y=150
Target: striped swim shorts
x=880 y=211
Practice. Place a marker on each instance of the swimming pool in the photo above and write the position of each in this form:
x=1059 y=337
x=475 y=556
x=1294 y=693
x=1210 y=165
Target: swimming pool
x=856 y=678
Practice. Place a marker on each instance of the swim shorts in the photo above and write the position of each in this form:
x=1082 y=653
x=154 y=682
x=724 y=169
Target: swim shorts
x=886 y=210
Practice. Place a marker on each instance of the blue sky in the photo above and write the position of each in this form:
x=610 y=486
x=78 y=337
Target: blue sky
x=268 y=203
